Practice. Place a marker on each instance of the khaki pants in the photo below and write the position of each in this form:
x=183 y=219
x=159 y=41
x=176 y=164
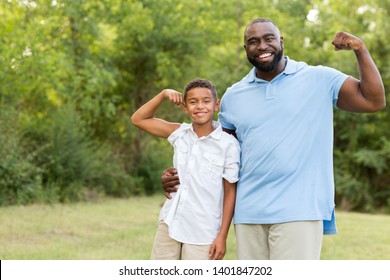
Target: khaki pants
x=166 y=248
x=286 y=241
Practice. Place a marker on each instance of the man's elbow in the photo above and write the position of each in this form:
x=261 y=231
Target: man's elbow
x=379 y=106
x=383 y=105
x=376 y=104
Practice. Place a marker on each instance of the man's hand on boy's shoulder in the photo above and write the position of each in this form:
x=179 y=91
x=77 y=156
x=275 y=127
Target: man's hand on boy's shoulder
x=170 y=180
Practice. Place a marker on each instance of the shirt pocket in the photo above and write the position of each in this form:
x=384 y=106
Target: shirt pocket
x=212 y=165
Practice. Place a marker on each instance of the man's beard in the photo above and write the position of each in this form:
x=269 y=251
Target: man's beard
x=267 y=67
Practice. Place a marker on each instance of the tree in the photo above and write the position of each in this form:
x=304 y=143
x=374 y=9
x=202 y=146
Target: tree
x=79 y=69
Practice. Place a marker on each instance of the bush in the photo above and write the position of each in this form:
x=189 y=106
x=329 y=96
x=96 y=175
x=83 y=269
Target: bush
x=156 y=157
x=20 y=179
x=74 y=166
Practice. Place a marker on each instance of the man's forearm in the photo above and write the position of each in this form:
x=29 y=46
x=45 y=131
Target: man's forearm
x=370 y=79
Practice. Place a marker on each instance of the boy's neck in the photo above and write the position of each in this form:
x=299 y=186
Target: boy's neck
x=203 y=129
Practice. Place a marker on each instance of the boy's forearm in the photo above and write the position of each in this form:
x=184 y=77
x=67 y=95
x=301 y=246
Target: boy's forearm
x=228 y=208
x=144 y=118
x=149 y=109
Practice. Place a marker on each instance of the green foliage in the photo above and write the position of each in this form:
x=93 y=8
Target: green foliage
x=20 y=179
x=74 y=71
x=362 y=170
x=72 y=161
x=157 y=157
x=65 y=154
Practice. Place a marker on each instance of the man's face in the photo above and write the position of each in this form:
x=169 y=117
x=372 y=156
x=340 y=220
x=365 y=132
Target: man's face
x=263 y=46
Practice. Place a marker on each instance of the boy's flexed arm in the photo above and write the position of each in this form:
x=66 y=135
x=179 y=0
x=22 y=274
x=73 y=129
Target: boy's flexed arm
x=144 y=118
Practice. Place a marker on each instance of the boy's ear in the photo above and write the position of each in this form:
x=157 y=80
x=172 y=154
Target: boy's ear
x=184 y=105
x=217 y=105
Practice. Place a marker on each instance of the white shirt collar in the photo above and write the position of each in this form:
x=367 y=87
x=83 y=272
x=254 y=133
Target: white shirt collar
x=216 y=134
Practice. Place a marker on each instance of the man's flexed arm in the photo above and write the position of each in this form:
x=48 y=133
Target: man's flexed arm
x=367 y=94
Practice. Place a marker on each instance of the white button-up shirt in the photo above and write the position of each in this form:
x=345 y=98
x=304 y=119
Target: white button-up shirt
x=194 y=213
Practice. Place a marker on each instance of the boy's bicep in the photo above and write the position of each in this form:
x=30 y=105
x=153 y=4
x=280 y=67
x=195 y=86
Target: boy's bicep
x=158 y=127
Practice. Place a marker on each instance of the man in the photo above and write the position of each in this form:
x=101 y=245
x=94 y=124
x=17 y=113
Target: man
x=282 y=115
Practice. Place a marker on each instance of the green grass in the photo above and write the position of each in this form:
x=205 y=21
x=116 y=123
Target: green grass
x=123 y=229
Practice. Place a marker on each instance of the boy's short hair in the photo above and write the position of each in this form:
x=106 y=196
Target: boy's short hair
x=200 y=83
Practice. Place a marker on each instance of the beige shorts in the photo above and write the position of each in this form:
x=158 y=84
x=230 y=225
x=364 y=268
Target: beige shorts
x=166 y=248
x=300 y=240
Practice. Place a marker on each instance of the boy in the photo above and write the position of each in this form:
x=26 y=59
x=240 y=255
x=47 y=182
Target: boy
x=194 y=224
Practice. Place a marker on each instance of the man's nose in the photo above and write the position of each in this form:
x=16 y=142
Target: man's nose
x=262 y=45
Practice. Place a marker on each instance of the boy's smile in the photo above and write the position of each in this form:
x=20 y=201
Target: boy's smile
x=200 y=106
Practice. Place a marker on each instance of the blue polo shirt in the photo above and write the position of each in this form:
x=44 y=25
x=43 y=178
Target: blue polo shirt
x=285 y=130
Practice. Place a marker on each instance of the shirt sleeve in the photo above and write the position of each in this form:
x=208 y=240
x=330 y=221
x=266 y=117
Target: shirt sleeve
x=334 y=80
x=177 y=133
x=223 y=114
x=232 y=161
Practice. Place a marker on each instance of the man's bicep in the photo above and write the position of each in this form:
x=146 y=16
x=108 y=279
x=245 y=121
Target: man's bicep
x=351 y=98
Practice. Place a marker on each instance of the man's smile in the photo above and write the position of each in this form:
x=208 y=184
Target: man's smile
x=264 y=56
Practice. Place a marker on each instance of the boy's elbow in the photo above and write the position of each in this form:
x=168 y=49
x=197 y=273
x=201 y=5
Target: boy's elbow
x=134 y=120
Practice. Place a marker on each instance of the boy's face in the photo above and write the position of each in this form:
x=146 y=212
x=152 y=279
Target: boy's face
x=200 y=105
